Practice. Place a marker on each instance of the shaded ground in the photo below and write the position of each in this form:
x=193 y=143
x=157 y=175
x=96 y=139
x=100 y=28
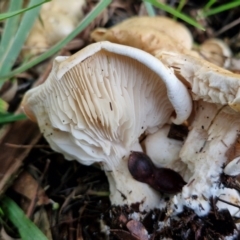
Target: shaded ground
x=84 y=211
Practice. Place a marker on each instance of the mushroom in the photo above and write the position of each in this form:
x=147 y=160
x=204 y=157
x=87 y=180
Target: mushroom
x=216 y=51
x=148 y=33
x=214 y=128
x=96 y=104
x=214 y=123
x=58 y=18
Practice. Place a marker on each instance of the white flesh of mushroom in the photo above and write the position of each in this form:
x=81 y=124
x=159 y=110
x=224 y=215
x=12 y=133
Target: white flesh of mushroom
x=164 y=151
x=232 y=196
x=233 y=168
x=95 y=104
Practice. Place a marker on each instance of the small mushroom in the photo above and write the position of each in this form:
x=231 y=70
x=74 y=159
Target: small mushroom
x=216 y=51
x=96 y=104
x=161 y=179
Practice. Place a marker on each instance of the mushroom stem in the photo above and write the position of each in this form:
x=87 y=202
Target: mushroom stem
x=125 y=190
x=206 y=156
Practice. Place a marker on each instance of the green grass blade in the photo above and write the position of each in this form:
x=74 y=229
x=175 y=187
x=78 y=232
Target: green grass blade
x=10 y=117
x=221 y=8
x=3 y=106
x=27 y=229
x=181 y=5
x=11 y=53
x=83 y=24
x=209 y=4
x=10 y=26
x=150 y=9
x=175 y=13
x=12 y=13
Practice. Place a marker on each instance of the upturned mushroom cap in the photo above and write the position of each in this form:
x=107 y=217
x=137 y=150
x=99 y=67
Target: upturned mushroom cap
x=105 y=93
x=95 y=104
x=148 y=34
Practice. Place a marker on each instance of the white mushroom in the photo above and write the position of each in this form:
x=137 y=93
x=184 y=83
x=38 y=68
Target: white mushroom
x=95 y=104
x=215 y=127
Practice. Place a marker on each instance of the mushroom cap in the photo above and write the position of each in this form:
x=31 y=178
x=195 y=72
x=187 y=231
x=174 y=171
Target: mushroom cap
x=206 y=80
x=144 y=38
x=95 y=104
x=177 y=31
x=216 y=51
x=147 y=33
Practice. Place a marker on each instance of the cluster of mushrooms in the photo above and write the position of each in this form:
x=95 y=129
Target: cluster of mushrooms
x=116 y=101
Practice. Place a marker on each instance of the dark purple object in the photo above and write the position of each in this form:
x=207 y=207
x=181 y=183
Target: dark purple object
x=164 y=180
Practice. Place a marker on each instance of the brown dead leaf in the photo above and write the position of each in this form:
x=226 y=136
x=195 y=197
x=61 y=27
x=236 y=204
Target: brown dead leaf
x=27 y=186
x=137 y=229
x=18 y=133
x=40 y=218
x=123 y=235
